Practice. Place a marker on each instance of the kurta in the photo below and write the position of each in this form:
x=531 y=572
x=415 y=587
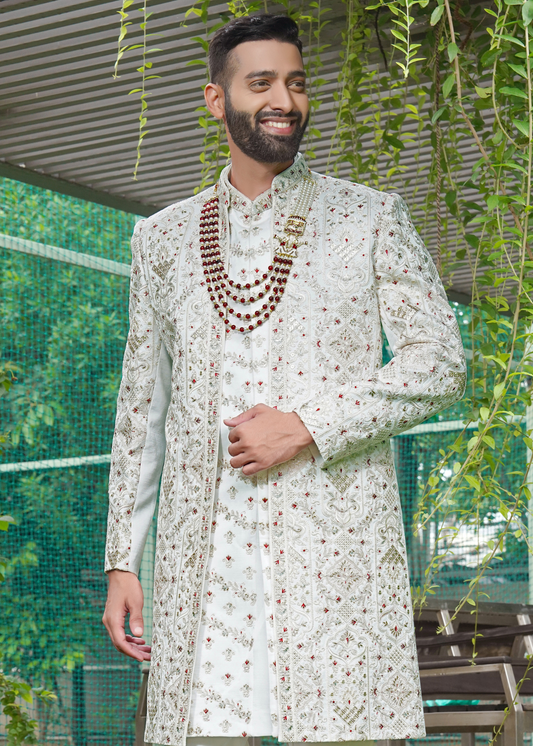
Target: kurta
x=343 y=633
x=234 y=682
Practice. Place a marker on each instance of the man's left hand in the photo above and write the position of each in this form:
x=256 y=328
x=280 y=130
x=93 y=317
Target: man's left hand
x=262 y=437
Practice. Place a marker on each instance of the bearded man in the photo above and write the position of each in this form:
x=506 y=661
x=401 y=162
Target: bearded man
x=253 y=386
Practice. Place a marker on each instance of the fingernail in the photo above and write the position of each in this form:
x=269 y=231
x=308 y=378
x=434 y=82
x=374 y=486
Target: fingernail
x=138 y=631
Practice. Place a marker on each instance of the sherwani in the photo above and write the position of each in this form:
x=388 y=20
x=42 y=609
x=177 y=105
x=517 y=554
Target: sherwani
x=344 y=646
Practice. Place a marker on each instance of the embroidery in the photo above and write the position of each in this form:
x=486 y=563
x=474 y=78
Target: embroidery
x=337 y=599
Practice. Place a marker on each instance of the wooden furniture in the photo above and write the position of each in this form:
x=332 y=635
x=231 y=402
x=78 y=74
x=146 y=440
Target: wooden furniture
x=477 y=695
x=140 y=714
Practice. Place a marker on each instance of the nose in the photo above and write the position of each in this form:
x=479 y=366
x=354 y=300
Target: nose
x=280 y=97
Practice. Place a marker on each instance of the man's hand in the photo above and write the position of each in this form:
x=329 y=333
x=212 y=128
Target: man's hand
x=125 y=595
x=262 y=437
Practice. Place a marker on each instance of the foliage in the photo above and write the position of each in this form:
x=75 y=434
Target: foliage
x=7 y=378
x=66 y=328
x=21 y=728
x=465 y=77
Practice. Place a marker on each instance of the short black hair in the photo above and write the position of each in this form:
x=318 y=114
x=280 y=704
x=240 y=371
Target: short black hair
x=261 y=27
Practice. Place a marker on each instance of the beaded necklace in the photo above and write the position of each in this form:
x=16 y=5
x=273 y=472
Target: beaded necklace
x=270 y=288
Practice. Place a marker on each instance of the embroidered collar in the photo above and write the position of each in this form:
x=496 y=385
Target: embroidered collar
x=281 y=183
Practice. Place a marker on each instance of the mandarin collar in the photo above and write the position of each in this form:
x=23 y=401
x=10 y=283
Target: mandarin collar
x=281 y=183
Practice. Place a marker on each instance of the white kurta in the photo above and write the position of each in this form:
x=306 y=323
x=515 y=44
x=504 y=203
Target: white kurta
x=234 y=683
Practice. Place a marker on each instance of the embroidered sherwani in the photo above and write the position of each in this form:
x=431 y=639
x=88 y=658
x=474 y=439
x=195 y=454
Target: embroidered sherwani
x=337 y=581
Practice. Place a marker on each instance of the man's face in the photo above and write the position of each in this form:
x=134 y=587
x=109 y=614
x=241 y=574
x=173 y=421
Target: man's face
x=266 y=106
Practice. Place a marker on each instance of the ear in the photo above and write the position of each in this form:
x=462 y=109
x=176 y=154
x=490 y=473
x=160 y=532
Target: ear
x=214 y=99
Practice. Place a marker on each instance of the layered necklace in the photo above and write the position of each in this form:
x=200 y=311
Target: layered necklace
x=231 y=298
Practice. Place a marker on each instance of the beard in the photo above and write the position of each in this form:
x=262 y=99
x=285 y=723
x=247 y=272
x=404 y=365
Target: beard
x=259 y=145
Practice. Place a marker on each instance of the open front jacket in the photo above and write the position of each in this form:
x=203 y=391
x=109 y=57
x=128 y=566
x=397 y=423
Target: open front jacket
x=346 y=656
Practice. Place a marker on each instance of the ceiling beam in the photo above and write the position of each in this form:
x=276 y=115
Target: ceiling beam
x=61 y=186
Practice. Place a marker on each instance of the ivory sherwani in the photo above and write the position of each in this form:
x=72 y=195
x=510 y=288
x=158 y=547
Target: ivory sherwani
x=344 y=647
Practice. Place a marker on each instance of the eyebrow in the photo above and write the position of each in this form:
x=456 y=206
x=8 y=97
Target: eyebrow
x=274 y=74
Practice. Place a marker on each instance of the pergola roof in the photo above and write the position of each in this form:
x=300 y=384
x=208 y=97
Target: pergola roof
x=67 y=125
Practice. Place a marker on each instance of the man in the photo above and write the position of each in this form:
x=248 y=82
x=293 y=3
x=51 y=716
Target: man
x=253 y=383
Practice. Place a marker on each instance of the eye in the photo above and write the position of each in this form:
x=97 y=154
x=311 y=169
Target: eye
x=299 y=84
x=259 y=84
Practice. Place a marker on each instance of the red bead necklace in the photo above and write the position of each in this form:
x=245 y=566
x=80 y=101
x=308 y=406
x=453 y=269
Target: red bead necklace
x=270 y=288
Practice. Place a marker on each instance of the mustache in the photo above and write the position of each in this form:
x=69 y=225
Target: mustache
x=264 y=114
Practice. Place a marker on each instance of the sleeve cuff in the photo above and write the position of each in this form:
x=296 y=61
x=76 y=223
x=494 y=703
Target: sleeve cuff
x=316 y=454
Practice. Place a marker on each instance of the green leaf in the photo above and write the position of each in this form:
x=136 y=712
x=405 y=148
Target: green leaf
x=398 y=35
x=437 y=115
x=450 y=199
x=522 y=125
x=520 y=69
x=394 y=141
x=489 y=441
x=26 y=696
x=527 y=12
x=484 y=413
x=512 y=91
x=483 y=92
x=5 y=520
x=473 y=482
x=453 y=51
x=512 y=39
x=499 y=390
x=448 y=85
x=436 y=15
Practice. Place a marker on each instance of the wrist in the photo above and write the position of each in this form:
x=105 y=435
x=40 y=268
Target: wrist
x=118 y=576
x=303 y=436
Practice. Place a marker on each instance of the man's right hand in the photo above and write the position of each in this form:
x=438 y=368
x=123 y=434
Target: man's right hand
x=125 y=596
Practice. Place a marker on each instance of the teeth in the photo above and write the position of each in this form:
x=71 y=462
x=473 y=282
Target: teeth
x=279 y=125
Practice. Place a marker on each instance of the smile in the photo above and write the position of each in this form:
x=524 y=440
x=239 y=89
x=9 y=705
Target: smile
x=277 y=125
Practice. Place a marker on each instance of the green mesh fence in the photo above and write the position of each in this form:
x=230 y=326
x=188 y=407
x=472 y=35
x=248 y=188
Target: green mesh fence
x=64 y=267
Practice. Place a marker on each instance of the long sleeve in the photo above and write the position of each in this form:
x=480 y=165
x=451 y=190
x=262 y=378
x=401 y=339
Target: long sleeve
x=139 y=444
x=428 y=370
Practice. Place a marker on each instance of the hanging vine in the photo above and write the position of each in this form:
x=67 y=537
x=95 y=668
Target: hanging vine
x=144 y=69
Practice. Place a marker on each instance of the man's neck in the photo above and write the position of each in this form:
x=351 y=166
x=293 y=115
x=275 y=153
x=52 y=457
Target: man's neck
x=252 y=178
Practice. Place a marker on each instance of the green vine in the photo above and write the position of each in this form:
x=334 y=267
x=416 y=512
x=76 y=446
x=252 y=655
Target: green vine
x=402 y=20
x=144 y=69
x=499 y=255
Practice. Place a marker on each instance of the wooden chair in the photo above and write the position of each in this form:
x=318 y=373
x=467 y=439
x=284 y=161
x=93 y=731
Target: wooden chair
x=477 y=695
